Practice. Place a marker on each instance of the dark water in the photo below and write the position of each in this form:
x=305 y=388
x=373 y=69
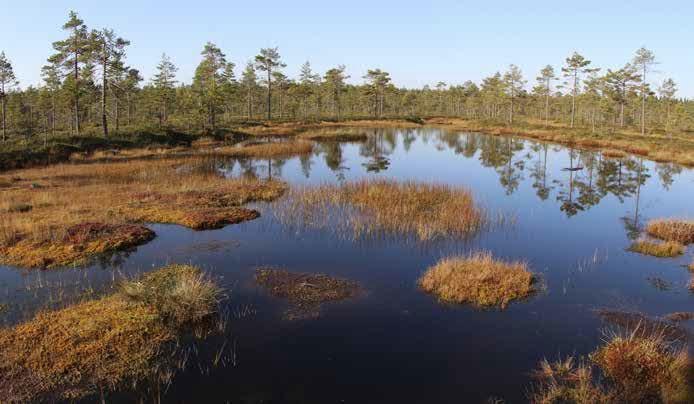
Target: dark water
x=396 y=344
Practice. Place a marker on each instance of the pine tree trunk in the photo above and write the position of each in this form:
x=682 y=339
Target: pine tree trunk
x=4 y=116
x=77 y=97
x=104 y=84
x=269 y=93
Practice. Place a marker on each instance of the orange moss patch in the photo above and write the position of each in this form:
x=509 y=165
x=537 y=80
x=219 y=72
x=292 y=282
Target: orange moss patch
x=104 y=344
x=479 y=279
x=681 y=231
x=82 y=242
x=665 y=249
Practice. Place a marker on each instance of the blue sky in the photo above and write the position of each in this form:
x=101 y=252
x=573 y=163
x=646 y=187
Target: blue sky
x=418 y=42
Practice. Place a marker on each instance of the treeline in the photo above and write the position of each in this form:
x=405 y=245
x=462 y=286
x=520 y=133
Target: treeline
x=87 y=85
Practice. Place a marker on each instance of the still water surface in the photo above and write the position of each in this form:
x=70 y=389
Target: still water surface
x=575 y=214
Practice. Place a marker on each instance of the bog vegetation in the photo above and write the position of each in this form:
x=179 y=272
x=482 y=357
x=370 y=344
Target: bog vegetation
x=100 y=204
x=663 y=249
x=382 y=208
x=479 y=279
x=89 y=88
x=101 y=345
x=635 y=365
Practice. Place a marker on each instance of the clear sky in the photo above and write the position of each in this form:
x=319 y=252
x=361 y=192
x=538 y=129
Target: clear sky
x=418 y=42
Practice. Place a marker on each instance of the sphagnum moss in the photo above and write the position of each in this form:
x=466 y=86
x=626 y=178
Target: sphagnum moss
x=103 y=344
x=479 y=279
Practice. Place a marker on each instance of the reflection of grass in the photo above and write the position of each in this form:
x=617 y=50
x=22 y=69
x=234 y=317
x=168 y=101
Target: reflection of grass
x=103 y=344
x=378 y=207
x=681 y=231
x=664 y=249
x=479 y=279
x=636 y=367
x=183 y=191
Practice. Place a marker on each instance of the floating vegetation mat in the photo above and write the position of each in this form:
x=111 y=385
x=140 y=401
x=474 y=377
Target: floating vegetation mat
x=305 y=292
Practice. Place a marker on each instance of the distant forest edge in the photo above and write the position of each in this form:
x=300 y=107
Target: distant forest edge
x=88 y=88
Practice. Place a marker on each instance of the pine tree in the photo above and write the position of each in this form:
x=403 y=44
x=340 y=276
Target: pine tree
x=620 y=83
x=249 y=82
x=513 y=80
x=7 y=80
x=644 y=61
x=545 y=79
x=377 y=81
x=51 y=78
x=576 y=66
x=73 y=52
x=164 y=82
x=209 y=79
x=109 y=52
x=335 y=81
x=269 y=61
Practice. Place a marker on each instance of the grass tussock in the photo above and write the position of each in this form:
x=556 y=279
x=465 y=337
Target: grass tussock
x=102 y=344
x=335 y=135
x=186 y=191
x=267 y=150
x=372 y=208
x=631 y=367
x=681 y=231
x=479 y=279
x=305 y=291
x=665 y=249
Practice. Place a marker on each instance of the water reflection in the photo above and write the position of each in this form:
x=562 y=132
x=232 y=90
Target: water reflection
x=582 y=179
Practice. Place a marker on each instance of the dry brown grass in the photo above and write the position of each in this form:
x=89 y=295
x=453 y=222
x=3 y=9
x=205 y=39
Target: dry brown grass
x=644 y=367
x=372 y=208
x=479 y=279
x=665 y=249
x=631 y=367
x=679 y=230
x=336 y=135
x=266 y=150
x=103 y=344
x=183 y=191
